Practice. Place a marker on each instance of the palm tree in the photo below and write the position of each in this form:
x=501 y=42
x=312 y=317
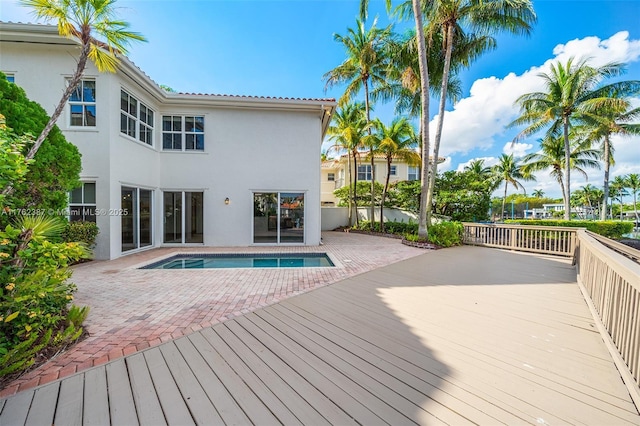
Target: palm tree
x=632 y=181
x=551 y=156
x=509 y=171
x=538 y=193
x=609 y=121
x=94 y=24
x=571 y=95
x=348 y=131
x=365 y=66
x=397 y=141
x=588 y=195
x=618 y=191
x=448 y=17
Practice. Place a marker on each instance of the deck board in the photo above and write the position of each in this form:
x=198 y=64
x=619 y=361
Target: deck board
x=121 y=405
x=145 y=396
x=505 y=339
x=70 y=401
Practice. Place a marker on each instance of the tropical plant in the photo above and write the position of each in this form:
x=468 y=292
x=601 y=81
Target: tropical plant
x=100 y=34
x=348 y=131
x=35 y=294
x=365 y=66
x=551 y=157
x=509 y=171
x=538 y=193
x=463 y=196
x=572 y=95
x=14 y=166
x=632 y=181
x=480 y=19
x=396 y=141
x=618 y=190
x=613 y=120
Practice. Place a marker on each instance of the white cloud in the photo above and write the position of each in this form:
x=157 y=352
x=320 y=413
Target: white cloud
x=516 y=148
x=478 y=121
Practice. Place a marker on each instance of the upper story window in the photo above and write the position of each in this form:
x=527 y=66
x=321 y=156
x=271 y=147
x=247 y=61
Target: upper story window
x=393 y=171
x=82 y=104
x=182 y=133
x=136 y=119
x=364 y=172
x=414 y=173
x=82 y=203
x=11 y=78
x=331 y=177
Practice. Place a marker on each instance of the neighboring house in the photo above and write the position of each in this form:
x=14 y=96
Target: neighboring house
x=335 y=173
x=174 y=169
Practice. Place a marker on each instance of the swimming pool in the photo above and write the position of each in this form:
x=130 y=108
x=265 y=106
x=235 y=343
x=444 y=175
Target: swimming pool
x=243 y=260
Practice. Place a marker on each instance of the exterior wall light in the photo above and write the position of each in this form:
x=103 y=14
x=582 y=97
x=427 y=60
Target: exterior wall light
x=227 y=201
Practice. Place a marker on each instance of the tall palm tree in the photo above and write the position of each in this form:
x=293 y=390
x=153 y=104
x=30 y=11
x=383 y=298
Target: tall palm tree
x=552 y=157
x=348 y=131
x=101 y=35
x=571 y=95
x=618 y=190
x=396 y=141
x=365 y=66
x=609 y=121
x=509 y=171
x=423 y=67
x=450 y=18
x=632 y=181
x=538 y=193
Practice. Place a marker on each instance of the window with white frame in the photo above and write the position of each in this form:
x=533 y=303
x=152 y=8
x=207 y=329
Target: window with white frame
x=331 y=177
x=414 y=173
x=11 y=78
x=136 y=119
x=364 y=172
x=182 y=133
x=82 y=203
x=82 y=104
x=393 y=171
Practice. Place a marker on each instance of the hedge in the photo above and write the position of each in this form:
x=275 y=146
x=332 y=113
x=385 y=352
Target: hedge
x=610 y=229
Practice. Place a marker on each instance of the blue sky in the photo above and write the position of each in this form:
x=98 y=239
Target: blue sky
x=282 y=48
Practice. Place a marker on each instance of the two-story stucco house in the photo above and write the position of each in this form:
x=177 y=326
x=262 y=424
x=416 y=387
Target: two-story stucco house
x=165 y=169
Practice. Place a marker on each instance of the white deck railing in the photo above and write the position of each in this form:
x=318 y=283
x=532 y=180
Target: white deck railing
x=537 y=239
x=611 y=282
x=608 y=274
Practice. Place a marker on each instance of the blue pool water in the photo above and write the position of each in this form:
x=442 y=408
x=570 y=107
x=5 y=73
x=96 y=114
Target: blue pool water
x=248 y=260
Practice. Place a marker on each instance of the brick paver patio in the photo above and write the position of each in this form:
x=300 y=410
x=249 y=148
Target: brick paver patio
x=133 y=309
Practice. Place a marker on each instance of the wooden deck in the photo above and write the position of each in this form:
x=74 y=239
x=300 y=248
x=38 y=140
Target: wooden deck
x=459 y=336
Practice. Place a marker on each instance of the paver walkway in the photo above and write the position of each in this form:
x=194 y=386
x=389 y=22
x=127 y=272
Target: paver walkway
x=467 y=335
x=133 y=309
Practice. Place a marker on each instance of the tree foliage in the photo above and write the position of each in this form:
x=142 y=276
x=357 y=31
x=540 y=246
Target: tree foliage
x=56 y=166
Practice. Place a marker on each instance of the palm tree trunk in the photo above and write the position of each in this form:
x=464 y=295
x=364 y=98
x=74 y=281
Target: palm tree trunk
x=373 y=170
x=350 y=190
x=567 y=170
x=384 y=194
x=504 y=199
x=441 y=112
x=423 y=231
x=605 y=187
x=73 y=84
x=355 y=187
x=635 y=209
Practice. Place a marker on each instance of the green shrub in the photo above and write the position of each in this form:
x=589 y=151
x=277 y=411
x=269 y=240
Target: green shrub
x=446 y=234
x=81 y=232
x=35 y=294
x=610 y=228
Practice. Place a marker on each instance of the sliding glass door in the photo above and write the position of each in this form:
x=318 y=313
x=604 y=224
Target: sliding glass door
x=278 y=218
x=183 y=225
x=137 y=213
